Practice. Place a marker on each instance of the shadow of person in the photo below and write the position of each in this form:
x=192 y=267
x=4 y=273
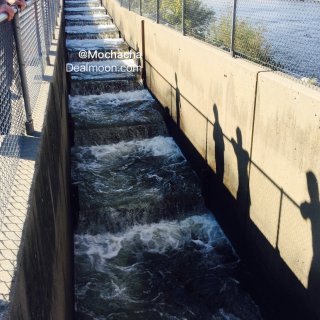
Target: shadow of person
x=178 y=101
x=311 y=210
x=243 y=158
x=219 y=145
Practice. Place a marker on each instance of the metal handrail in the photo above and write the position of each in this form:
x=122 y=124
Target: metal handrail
x=4 y=16
x=21 y=61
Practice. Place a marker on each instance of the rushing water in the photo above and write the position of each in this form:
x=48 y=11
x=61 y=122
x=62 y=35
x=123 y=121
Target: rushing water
x=291 y=29
x=169 y=270
x=145 y=245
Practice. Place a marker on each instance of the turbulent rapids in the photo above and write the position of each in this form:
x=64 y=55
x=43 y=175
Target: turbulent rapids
x=181 y=269
x=146 y=247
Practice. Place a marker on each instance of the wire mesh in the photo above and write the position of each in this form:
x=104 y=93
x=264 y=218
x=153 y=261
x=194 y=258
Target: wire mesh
x=283 y=35
x=149 y=9
x=36 y=34
x=125 y=3
x=170 y=13
x=135 y=6
x=11 y=113
x=210 y=21
x=48 y=14
x=32 y=36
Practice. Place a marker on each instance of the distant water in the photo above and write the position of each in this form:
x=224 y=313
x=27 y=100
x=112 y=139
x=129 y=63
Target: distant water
x=292 y=29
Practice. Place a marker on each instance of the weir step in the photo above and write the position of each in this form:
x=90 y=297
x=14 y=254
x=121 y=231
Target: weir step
x=105 y=118
x=87 y=3
x=82 y=20
x=146 y=247
x=84 y=10
x=95 y=87
x=92 y=32
x=116 y=46
x=105 y=170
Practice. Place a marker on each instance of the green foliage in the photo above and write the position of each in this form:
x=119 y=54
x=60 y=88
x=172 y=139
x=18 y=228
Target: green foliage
x=250 y=40
x=198 y=16
x=201 y=22
x=312 y=81
x=149 y=8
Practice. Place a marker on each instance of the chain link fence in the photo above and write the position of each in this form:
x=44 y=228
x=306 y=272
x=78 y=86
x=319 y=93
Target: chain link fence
x=49 y=15
x=171 y=13
x=149 y=9
x=12 y=115
x=34 y=48
x=283 y=35
x=24 y=48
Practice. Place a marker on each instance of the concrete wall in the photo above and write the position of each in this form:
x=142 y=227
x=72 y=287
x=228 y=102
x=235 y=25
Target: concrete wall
x=43 y=285
x=258 y=131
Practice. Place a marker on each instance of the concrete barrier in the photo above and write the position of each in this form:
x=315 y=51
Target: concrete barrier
x=258 y=131
x=43 y=284
x=285 y=173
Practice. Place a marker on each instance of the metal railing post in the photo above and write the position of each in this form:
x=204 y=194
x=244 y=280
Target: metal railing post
x=140 y=7
x=23 y=75
x=184 y=17
x=233 y=30
x=121 y=3
x=144 y=71
x=37 y=15
x=158 y=11
x=129 y=5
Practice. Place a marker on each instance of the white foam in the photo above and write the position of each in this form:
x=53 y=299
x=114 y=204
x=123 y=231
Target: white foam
x=88 y=17
x=104 y=70
x=157 y=146
x=91 y=29
x=79 y=102
x=223 y=315
x=76 y=9
x=106 y=107
x=116 y=63
x=161 y=146
x=156 y=238
x=82 y=1
x=94 y=158
x=78 y=44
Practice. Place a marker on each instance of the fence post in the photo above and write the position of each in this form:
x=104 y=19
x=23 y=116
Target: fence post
x=129 y=7
x=121 y=3
x=23 y=75
x=144 y=71
x=140 y=7
x=158 y=11
x=233 y=30
x=37 y=22
x=184 y=17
